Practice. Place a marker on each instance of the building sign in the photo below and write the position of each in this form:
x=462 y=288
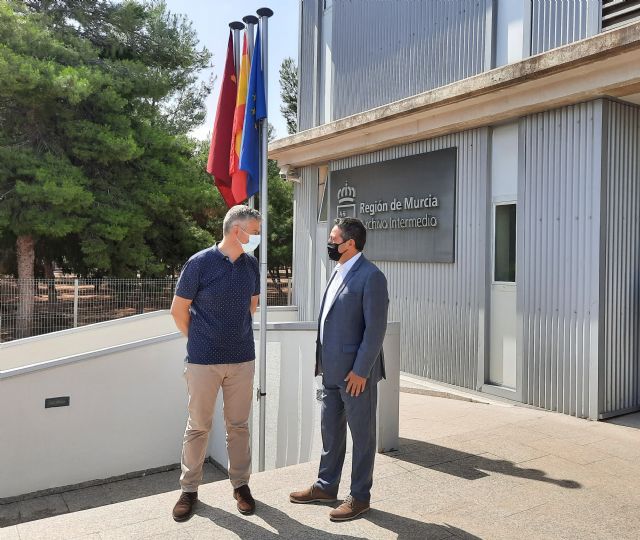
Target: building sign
x=408 y=206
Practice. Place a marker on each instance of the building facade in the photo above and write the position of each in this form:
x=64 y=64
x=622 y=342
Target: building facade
x=492 y=148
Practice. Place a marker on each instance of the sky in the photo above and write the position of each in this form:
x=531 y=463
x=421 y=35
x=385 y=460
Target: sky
x=211 y=20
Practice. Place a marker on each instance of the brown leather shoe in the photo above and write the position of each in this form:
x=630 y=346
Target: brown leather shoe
x=183 y=509
x=349 y=509
x=311 y=495
x=246 y=502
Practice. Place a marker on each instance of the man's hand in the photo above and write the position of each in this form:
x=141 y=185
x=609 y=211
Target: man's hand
x=355 y=384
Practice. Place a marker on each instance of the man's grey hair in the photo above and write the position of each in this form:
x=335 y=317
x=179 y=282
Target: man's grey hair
x=239 y=213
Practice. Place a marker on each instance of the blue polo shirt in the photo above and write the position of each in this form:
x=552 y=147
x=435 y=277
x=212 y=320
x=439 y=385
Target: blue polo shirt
x=220 y=330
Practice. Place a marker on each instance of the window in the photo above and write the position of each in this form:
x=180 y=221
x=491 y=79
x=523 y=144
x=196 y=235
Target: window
x=505 y=243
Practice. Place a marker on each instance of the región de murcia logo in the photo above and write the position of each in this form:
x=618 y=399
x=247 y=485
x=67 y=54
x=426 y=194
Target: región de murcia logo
x=346 y=201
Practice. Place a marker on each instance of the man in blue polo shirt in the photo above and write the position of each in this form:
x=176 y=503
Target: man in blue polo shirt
x=216 y=297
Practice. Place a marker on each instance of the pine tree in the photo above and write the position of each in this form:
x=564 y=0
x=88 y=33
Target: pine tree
x=96 y=98
x=289 y=94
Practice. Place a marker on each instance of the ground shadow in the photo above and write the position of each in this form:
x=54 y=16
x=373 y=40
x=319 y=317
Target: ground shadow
x=110 y=492
x=627 y=420
x=468 y=466
x=410 y=529
x=287 y=527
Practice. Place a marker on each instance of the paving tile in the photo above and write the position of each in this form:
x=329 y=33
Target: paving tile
x=509 y=450
x=469 y=527
x=425 y=454
x=174 y=535
x=515 y=433
x=384 y=488
x=588 y=514
x=628 y=450
x=428 y=502
x=560 y=473
x=500 y=502
x=620 y=468
x=97 y=520
x=144 y=529
x=9 y=533
x=582 y=454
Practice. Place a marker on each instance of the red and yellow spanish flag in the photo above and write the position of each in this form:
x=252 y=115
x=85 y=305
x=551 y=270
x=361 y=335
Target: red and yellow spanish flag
x=218 y=163
x=238 y=177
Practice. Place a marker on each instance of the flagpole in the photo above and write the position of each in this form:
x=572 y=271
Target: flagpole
x=236 y=26
x=251 y=21
x=264 y=14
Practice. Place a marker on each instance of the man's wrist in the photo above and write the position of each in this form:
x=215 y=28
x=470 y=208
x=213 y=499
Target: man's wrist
x=356 y=372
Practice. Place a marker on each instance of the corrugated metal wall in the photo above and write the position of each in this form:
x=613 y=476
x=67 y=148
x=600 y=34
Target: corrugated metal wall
x=307 y=58
x=387 y=50
x=558 y=256
x=557 y=22
x=402 y=48
x=304 y=243
x=620 y=323
x=439 y=305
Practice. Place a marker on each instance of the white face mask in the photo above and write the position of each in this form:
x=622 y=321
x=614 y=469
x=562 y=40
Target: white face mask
x=252 y=244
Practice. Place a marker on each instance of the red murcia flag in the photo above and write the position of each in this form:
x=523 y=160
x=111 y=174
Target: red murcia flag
x=220 y=149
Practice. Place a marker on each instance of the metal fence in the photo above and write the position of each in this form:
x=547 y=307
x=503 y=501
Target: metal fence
x=40 y=306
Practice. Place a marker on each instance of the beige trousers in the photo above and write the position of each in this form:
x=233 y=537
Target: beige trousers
x=203 y=383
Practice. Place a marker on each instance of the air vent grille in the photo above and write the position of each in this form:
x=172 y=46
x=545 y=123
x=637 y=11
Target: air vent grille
x=619 y=12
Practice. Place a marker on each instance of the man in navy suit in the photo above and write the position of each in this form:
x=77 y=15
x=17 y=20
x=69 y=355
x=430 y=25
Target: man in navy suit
x=351 y=328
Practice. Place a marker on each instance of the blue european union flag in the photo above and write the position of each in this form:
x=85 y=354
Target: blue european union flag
x=256 y=110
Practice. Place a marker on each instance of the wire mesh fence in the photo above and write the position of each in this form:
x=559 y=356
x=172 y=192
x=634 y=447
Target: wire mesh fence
x=34 y=307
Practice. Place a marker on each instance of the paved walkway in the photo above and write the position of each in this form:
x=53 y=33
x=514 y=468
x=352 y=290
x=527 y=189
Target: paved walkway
x=464 y=470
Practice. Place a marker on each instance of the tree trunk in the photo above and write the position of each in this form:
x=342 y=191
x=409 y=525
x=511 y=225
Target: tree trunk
x=25 y=253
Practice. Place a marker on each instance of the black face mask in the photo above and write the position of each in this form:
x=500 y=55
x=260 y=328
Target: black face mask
x=332 y=249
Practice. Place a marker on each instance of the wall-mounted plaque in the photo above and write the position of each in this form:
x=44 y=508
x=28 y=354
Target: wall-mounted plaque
x=408 y=206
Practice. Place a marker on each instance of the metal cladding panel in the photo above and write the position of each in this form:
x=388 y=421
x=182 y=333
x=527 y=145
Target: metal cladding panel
x=384 y=51
x=558 y=256
x=307 y=63
x=304 y=243
x=621 y=255
x=439 y=306
x=557 y=22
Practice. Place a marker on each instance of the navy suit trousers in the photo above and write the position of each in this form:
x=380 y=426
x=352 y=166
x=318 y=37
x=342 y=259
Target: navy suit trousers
x=338 y=410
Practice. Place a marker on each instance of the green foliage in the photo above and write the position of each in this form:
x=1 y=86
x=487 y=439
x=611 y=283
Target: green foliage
x=96 y=99
x=280 y=231
x=289 y=94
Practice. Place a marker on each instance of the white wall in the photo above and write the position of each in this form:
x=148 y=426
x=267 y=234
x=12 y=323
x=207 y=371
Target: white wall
x=127 y=413
x=292 y=410
x=128 y=409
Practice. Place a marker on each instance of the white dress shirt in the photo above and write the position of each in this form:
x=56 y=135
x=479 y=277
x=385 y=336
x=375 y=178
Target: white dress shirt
x=336 y=281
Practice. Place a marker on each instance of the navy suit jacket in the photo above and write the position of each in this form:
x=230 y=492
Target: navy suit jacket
x=355 y=327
